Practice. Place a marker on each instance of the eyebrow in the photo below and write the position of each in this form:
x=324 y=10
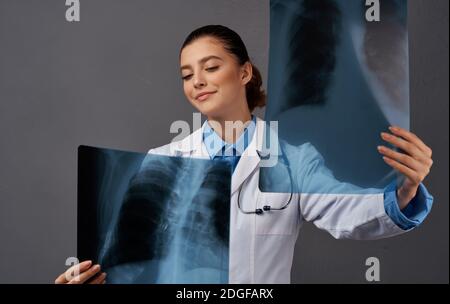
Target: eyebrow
x=203 y=60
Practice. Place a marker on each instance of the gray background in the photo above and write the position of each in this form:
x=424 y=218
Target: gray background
x=112 y=80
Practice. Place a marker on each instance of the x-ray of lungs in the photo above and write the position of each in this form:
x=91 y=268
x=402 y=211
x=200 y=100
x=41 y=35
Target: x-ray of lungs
x=154 y=219
x=336 y=81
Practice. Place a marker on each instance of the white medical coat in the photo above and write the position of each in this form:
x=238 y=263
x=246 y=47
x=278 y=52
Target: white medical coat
x=262 y=246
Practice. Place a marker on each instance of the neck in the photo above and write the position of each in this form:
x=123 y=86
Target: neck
x=231 y=127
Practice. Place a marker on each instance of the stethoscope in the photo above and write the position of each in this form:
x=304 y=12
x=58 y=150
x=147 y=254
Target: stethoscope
x=268 y=208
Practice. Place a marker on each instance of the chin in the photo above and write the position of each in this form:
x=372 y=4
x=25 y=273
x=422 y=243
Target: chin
x=209 y=112
x=209 y=109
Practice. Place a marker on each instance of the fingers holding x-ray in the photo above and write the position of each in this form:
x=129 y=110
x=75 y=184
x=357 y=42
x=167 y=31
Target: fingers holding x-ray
x=414 y=161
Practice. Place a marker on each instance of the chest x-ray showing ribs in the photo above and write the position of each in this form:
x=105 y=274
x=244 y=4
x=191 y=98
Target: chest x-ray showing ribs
x=154 y=219
x=338 y=76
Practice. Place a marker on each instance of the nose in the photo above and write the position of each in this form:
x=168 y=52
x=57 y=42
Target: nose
x=199 y=82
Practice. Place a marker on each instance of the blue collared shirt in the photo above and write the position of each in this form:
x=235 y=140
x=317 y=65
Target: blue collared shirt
x=412 y=216
x=217 y=147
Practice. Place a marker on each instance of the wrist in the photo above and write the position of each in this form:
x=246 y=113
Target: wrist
x=404 y=197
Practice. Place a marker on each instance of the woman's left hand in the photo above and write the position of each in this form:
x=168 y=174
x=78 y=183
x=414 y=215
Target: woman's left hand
x=414 y=164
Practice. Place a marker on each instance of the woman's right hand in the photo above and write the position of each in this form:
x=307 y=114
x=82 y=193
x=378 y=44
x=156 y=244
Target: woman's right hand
x=85 y=271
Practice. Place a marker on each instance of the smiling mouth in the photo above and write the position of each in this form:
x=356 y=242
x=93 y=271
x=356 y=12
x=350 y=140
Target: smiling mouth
x=205 y=96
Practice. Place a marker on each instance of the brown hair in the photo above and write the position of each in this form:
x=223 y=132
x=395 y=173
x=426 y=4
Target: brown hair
x=256 y=97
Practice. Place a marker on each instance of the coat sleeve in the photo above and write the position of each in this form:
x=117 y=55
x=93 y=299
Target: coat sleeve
x=342 y=209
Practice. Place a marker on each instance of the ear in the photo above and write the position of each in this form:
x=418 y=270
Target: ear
x=246 y=73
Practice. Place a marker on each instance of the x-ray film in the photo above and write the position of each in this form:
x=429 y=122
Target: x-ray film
x=154 y=219
x=338 y=77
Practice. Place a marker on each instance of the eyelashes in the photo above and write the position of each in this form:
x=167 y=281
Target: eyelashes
x=211 y=69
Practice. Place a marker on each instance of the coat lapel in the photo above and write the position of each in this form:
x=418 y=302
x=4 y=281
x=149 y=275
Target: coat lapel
x=250 y=159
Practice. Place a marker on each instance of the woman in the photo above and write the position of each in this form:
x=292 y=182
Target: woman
x=220 y=81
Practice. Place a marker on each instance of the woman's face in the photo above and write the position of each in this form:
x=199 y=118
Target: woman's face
x=206 y=67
